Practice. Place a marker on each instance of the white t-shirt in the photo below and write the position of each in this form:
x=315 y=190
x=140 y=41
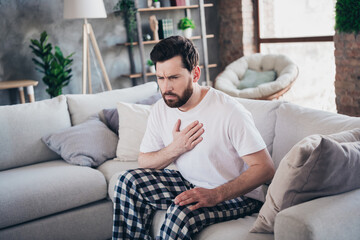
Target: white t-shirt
x=230 y=133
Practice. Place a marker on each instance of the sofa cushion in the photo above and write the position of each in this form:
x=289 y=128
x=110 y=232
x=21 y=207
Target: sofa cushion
x=83 y=106
x=234 y=229
x=88 y=144
x=264 y=114
x=317 y=166
x=22 y=127
x=132 y=127
x=293 y=123
x=47 y=188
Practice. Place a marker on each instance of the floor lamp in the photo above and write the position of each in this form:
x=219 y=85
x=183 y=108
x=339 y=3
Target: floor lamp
x=85 y=9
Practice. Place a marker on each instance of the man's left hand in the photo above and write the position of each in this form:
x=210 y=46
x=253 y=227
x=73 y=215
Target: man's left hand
x=201 y=196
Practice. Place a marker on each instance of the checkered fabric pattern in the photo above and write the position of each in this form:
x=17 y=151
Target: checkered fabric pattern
x=140 y=192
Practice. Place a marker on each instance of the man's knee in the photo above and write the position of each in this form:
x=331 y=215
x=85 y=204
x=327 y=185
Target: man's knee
x=181 y=213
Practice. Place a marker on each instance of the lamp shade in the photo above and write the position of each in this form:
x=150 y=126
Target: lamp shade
x=84 y=9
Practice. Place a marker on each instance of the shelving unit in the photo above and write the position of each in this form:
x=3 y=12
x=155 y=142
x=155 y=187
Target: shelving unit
x=141 y=43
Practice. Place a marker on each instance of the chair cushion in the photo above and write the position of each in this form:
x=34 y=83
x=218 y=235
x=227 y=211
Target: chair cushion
x=293 y=123
x=42 y=189
x=253 y=78
x=22 y=127
x=83 y=106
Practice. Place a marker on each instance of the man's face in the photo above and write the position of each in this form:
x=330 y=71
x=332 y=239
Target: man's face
x=175 y=82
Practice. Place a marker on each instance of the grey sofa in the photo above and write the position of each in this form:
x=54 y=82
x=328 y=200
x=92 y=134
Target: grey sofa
x=43 y=197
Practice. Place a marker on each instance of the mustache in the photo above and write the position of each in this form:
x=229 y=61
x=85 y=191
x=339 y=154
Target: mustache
x=170 y=94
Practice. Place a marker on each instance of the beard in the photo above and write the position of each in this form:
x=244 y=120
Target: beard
x=180 y=100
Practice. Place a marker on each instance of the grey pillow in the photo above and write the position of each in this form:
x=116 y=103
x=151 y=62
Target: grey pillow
x=88 y=144
x=317 y=166
x=112 y=119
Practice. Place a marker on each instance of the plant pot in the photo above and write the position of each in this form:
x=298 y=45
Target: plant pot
x=152 y=69
x=187 y=33
x=157 y=4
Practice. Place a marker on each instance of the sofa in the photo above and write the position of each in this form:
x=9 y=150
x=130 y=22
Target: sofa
x=42 y=196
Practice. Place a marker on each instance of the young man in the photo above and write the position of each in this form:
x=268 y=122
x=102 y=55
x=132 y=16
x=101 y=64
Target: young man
x=210 y=137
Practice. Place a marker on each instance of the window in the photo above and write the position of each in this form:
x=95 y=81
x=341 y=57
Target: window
x=302 y=30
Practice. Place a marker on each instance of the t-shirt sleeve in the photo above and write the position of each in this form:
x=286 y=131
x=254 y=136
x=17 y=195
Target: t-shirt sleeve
x=243 y=133
x=152 y=140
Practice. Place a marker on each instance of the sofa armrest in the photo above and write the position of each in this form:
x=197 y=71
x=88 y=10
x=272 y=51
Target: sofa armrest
x=334 y=217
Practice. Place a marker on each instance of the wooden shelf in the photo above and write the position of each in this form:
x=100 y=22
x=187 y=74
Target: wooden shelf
x=173 y=8
x=156 y=41
x=139 y=75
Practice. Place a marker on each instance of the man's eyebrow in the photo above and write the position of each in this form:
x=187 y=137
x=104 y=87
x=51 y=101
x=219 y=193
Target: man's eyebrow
x=170 y=76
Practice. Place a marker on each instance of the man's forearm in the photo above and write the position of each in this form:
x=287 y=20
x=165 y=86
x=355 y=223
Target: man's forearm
x=158 y=160
x=252 y=178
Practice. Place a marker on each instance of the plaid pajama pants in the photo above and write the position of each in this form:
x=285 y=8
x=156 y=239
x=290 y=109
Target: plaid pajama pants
x=140 y=192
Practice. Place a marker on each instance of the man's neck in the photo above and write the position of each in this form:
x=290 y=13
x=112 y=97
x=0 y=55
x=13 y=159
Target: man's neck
x=196 y=97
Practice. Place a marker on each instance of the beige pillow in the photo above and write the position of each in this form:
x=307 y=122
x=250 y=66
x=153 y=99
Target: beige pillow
x=317 y=166
x=132 y=126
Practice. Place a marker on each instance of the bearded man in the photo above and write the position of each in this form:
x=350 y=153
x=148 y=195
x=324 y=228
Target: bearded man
x=211 y=138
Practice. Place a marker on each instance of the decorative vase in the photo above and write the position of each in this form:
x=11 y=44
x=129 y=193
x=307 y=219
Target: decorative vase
x=187 y=33
x=157 y=4
x=152 y=69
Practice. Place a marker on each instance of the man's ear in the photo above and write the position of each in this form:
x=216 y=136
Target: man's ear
x=196 y=73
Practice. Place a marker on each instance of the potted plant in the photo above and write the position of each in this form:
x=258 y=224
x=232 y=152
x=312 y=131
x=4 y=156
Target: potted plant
x=54 y=66
x=156 y=4
x=186 y=25
x=127 y=7
x=151 y=66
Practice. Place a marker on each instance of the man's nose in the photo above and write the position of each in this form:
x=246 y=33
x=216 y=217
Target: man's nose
x=168 y=85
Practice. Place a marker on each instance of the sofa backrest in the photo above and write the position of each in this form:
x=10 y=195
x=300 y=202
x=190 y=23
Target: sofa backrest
x=293 y=123
x=82 y=106
x=23 y=125
x=264 y=115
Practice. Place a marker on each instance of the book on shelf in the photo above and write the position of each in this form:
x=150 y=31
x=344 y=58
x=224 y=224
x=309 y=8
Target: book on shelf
x=166 y=28
x=178 y=2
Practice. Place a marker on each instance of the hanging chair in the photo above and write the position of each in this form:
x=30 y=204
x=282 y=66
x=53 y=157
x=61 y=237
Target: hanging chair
x=258 y=76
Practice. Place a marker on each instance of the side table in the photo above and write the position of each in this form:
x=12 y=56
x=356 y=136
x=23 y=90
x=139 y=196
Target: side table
x=20 y=84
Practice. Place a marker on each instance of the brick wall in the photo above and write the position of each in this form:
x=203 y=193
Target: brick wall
x=235 y=39
x=347 y=78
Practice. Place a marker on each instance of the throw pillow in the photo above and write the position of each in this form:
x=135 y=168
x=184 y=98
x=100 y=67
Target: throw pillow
x=132 y=126
x=317 y=166
x=87 y=144
x=150 y=100
x=111 y=115
x=112 y=119
x=253 y=78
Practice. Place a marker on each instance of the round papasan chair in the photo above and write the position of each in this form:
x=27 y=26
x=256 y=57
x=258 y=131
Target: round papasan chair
x=282 y=69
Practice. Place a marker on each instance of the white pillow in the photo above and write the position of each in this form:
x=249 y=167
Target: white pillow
x=132 y=126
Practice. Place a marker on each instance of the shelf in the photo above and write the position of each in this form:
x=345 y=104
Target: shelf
x=173 y=8
x=139 y=75
x=156 y=41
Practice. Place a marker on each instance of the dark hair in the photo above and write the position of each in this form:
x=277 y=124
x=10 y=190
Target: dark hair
x=176 y=46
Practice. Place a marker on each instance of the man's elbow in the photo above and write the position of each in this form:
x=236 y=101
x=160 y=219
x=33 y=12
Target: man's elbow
x=270 y=172
x=141 y=160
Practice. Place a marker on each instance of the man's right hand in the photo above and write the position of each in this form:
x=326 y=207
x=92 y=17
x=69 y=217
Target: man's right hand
x=186 y=139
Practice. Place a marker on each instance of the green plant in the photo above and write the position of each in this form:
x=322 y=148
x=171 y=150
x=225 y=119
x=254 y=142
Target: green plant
x=156 y=0
x=54 y=66
x=347 y=17
x=185 y=23
x=127 y=7
x=150 y=63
